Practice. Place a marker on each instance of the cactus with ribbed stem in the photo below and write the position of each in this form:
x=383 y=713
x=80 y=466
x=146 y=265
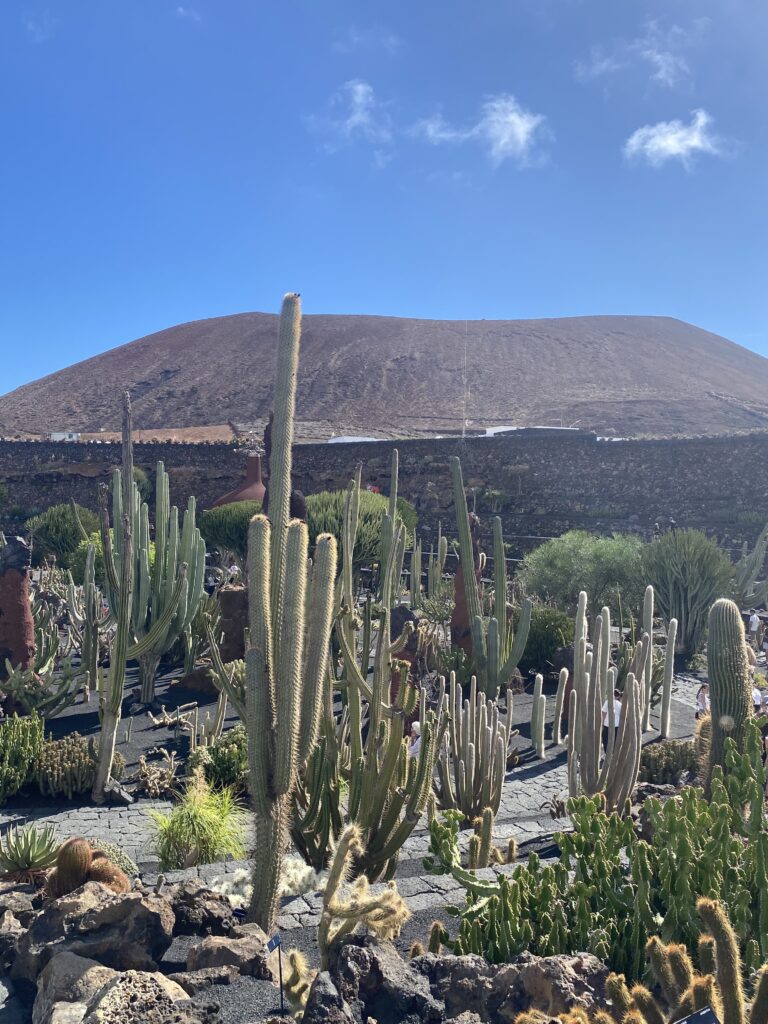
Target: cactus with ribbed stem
x=496 y=651
x=416 y=575
x=669 y=672
x=538 y=716
x=388 y=790
x=167 y=591
x=88 y=621
x=290 y=610
x=747 y=591
x=648 y=670
x=730 y=687
x=473 y=759
x=436 y=565
x=590 y=770
x=557 y=727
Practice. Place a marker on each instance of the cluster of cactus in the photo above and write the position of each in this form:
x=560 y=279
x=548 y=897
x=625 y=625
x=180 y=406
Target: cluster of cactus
x=115 y=855
x=21 y=741
x=290 y=616
x=473 y=759
x=481 y=851
x=25 y=852
x=344 y=908
x=168 y=589
x=225 y=761
x=730 y=684
x=388 y=790
x=77 y=862
x=718 y=985
x=47 y=638
x=67 y=767
x=609 y=889
x=46 y=694
x=157 y=779
x=591 y=770
x=496 y=650
x=750 y=590
x=90 y=624
x=196 y=638
x=665 y=763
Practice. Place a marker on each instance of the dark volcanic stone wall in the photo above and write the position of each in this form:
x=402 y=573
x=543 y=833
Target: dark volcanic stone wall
x=540 y=484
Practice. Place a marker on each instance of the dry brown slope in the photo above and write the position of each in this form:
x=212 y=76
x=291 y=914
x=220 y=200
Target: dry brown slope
x=622 y=374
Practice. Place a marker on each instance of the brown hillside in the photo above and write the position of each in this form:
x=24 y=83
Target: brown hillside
x=386 y=376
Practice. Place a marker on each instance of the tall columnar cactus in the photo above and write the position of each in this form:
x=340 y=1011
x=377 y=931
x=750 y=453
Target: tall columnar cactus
x=436 y=566
x=647 y=678
x=88 y=621
x=290 y=617
x=538 y=716
x=416 y=575
x=496 y=650
x=730 y=688
x=473 y=759
x=388 y=790
x=669 y=672
x=121 y=603
x=749 y=590
x=167 y=589
x=590 y=771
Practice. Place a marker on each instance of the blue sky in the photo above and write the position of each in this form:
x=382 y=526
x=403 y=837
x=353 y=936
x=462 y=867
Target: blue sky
x=165 y=162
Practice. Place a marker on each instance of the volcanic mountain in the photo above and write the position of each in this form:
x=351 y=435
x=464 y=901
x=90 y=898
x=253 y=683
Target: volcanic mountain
x=391 y=377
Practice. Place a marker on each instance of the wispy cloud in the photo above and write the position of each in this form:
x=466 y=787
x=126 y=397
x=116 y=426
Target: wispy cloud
x=40 y=27
x=189 y=14
x=355 y=114
x=662 y=51
x=377 y=38
x=505 y=129
x=673 y=140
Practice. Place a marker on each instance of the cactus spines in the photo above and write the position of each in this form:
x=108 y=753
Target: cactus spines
x=706 y=947
x=538 y=717
x=730 y=689
x=473 y=759
x=590 y=770
x=727 y=956
x=669 y=671
x=557 y=726
x=647 y=1005
x=290 y=615
x=437 y=936
x=759 y=1012
x=647 y=675
x=617 y=991
x=416 y=950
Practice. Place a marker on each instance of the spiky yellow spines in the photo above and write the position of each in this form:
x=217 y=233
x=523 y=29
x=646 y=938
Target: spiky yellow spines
x=104 y=871
x=706 y=954
x=437 y=935
x=727 y=957
x=618 y=993
x=298 y=980
x=77 y=863
x=383 y=913
x=730 y=687
x=416 y=950
x=643 y=1001
x=759 y=1013
x=658 y=955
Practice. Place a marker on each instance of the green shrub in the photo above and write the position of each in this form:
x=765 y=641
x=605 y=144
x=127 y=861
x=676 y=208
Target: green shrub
x=56 y=533
x=664 y=763
x=205 y=826
x=549 y=630
x=227 y=527
x=76 y=561
x=67 y=767
x=689 y=572
x=609 y=569
x=21 y=741
x=225 y=762
x=143 y=483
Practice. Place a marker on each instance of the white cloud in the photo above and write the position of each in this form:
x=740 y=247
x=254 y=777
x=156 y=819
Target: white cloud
x=598 y=64
x=505 y=128
x=356 y=115
x=189 y=14
x=661 y=50
x=674 y=140
x=356 y=39
x=40 y=27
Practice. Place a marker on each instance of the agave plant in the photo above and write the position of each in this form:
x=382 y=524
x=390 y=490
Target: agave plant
x=26 y=853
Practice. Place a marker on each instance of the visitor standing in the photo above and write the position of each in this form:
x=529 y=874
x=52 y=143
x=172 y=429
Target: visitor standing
x=757 y=699
x=754 y=625
x=702 y=701
x=616 y=717
x=414 y=743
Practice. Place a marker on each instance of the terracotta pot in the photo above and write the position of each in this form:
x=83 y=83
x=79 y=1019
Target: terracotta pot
x=252 y=490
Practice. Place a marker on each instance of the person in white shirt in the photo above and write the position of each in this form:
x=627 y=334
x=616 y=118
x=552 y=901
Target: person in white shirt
x=757 y=699
x=414 y=741
x=702 y=700
x=754 y=625
x=616 y=717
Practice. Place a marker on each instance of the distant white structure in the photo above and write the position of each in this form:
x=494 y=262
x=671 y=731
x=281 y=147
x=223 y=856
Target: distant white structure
x=64 y=435
x=348 y=439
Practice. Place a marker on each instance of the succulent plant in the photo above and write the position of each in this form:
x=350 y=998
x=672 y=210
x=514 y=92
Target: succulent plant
x=26 y=852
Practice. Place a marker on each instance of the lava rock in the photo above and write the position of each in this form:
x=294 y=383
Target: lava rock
x=325 y=1004
x=137 y=997
x=197 y=981
x=245 y=948
x=65 y=986
x=199 y=910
